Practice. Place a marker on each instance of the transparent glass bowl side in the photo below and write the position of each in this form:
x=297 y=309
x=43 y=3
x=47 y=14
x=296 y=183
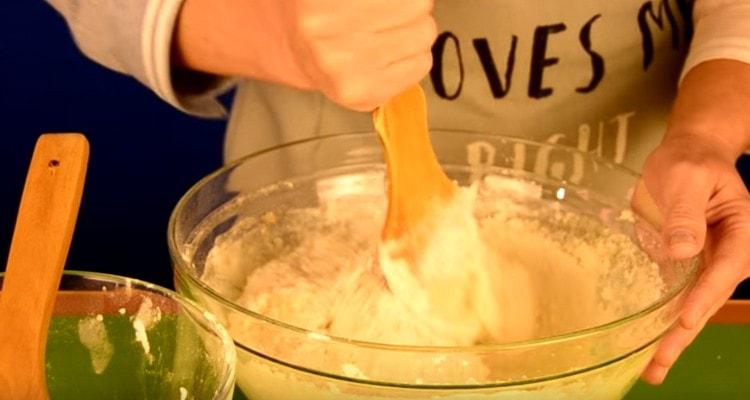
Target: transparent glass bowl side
x=264 y=379
x=117 y=337
x=586 y=180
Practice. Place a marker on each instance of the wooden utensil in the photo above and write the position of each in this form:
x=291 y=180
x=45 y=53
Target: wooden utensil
x=457 y=284
x=44 y=229
x=644 y=205
x=416 y=182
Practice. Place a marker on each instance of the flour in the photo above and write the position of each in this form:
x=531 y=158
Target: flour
x=502 y=265
x=143 y=320
x=453 y=285
x=93 y=335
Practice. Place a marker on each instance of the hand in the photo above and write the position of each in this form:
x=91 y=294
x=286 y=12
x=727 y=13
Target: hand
x=359 y=53
x=695 y=184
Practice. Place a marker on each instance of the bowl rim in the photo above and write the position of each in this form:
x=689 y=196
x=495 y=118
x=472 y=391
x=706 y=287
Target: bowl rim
x=181 y=268
x=203 y=316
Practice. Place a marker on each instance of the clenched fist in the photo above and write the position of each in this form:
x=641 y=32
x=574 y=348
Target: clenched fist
x=359 y=53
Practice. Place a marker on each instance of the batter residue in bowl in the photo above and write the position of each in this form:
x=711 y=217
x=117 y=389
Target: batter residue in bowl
x=543 y=270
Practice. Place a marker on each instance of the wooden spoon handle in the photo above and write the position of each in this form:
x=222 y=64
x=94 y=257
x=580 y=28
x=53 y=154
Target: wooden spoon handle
x=43 y=232
x=415 y=178
x=645 y=206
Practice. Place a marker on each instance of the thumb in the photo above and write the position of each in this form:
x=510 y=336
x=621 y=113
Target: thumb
x=684 y=201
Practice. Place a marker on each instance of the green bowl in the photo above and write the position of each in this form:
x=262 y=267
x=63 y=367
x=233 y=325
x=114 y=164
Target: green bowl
x=120 y=338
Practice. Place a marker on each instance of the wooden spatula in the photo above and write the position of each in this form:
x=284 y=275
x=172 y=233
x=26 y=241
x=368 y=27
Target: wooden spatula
x=44 y=229
x=645 y=206
x=416 y=182
x=455 y=281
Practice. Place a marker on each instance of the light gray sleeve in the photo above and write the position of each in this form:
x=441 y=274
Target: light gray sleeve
x=134 y=37
x=722 y=31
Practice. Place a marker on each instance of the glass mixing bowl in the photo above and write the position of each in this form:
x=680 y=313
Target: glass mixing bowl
x=600 y=359
x=112 y=337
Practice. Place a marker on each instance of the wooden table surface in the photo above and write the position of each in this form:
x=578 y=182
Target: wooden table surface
x=734 y=312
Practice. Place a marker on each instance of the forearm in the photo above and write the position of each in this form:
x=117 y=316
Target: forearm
x=714 y=102
x=714 y=97
x=244 y=38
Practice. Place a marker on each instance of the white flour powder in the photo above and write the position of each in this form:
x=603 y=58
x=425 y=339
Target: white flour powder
x=501 y=266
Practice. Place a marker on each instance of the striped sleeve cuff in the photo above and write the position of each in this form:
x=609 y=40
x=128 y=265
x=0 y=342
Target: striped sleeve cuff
x=191 y=92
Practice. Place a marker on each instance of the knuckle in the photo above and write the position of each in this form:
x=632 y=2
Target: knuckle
x=424 y=64
x=326 y=61
x=661 y=360
x=332 y=62
x=425 y=6
x=428 y=32
x=348 y=92
x=733 y=216
x=686 y=228
x=685 y=214
x=420 y=67
x=741 y=207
